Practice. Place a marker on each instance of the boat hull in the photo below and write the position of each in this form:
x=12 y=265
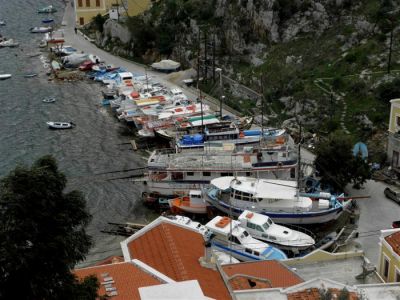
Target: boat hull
x=301 y=218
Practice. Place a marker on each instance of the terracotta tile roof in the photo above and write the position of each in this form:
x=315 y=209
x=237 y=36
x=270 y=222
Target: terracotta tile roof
x=175 y=252
x=314 y=294
x=278 y=274
x=110 y=260
x=126 y=279
x=394 y=241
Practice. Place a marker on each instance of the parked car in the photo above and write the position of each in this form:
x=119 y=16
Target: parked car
x=392 y=194
x=396 y=224
x=86 y=65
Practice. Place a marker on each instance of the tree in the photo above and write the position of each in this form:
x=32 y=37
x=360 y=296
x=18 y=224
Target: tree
x=336 y=164
x=42 y=235
x=99 y=21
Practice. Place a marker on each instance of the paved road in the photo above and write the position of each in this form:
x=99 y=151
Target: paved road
x=377 y=213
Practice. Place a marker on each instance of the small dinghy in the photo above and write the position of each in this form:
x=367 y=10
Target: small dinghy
x=60 y=125
x=40 y=29
x=49 y=100
x=30 y=75
x=46 y=21
x=5 y=76
x=47 y=10
x=9 y=43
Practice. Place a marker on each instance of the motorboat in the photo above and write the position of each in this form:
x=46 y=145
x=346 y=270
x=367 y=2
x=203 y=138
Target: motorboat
x=5 y=76
x=2 y=23
x=9 y=43
x=263 y=228
x=40 y=29
x=228 y=236
x=49 y=100
x=193 y=203
x=47 y=10
x=30 y=75
x=60 y=125
x=166 y=66
x=47 y=20
x=278 y=199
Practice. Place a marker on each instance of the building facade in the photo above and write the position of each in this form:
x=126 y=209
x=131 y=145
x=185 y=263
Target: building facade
x=85 y=10
x=393 y=147
x=389 y=258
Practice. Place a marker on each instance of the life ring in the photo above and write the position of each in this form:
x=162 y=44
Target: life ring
x=241 y=135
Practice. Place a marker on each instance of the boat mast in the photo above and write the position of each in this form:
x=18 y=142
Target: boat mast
x=262 y=107
x=299 y=160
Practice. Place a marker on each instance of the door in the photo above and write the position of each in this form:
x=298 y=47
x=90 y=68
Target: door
x=81 y=21
x=395 y=159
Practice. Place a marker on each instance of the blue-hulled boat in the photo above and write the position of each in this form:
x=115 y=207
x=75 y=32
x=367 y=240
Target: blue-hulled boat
x=226 y=235
x=278 y=199
x=46 y=21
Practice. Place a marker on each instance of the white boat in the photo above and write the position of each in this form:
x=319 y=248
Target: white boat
x=5 y=76
x=263 y=228
x=47 y=9
x=60 y=125
x=2 y=23
x=166 y=65
x=49 y=100
x=42 y=29
x=228 y=236
x=278 y=199
x=193 y=203
x=9 y=43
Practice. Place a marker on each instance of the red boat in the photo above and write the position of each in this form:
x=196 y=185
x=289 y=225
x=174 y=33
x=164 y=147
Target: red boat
x=86 y=65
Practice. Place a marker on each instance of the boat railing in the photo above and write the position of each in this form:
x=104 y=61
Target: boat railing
x=301 y=229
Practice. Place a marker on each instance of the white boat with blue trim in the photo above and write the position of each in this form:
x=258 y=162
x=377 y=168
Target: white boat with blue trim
x=278 y=199
x=228 y=236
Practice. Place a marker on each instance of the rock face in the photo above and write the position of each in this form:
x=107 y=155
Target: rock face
x=114 y=30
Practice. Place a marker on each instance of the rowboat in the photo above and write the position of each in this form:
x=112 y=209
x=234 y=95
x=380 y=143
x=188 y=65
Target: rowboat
x=30 y=75
x=49 y=100
x=5 y=76
x=60 y=125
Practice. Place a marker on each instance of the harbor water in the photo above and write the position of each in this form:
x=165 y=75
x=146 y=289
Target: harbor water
x=98 y=144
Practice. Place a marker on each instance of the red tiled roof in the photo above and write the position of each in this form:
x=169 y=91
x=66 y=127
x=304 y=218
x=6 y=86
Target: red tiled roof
x=110 y=260
x=394 y=241
x=175 y=252
x=278 y=274
x=126 y=277
x=314 y=294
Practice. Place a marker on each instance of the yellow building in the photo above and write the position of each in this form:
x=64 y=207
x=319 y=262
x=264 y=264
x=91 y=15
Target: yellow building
x=389 y=256
x=393 y=146
x=85 y=10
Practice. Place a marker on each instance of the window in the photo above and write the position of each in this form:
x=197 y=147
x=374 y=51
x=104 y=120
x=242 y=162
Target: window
x=190 y=173
x=87 y=3
x=258 y=227
x=206 y=173
x=385 y=267
x=397 y=277
x=227 y=174
x=97 y=3
x=81 y=21
x=234 y=239
x=80 y=3
x=248 y=174
x=251 y=225
x=397 y=120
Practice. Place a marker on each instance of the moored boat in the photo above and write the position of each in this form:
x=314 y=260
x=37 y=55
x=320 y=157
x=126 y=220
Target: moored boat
x=9 y=43
x=49 y=100
x=263 y=228
x=193 y=203
x=5 y=76
x=47 y=20
x=60 y=125
x=40 y=29
x=278 y=199
x=47 y=10
x=229 y=237
x=30 y=75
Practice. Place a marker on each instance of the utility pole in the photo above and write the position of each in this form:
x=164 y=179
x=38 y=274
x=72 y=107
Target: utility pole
x=205 y=55
x=390 y=46
x=198 y=59
x=262 y=105
x=213 y=56
x=219 y=70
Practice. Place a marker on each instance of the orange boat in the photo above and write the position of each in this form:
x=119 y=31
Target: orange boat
x=193 y=204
